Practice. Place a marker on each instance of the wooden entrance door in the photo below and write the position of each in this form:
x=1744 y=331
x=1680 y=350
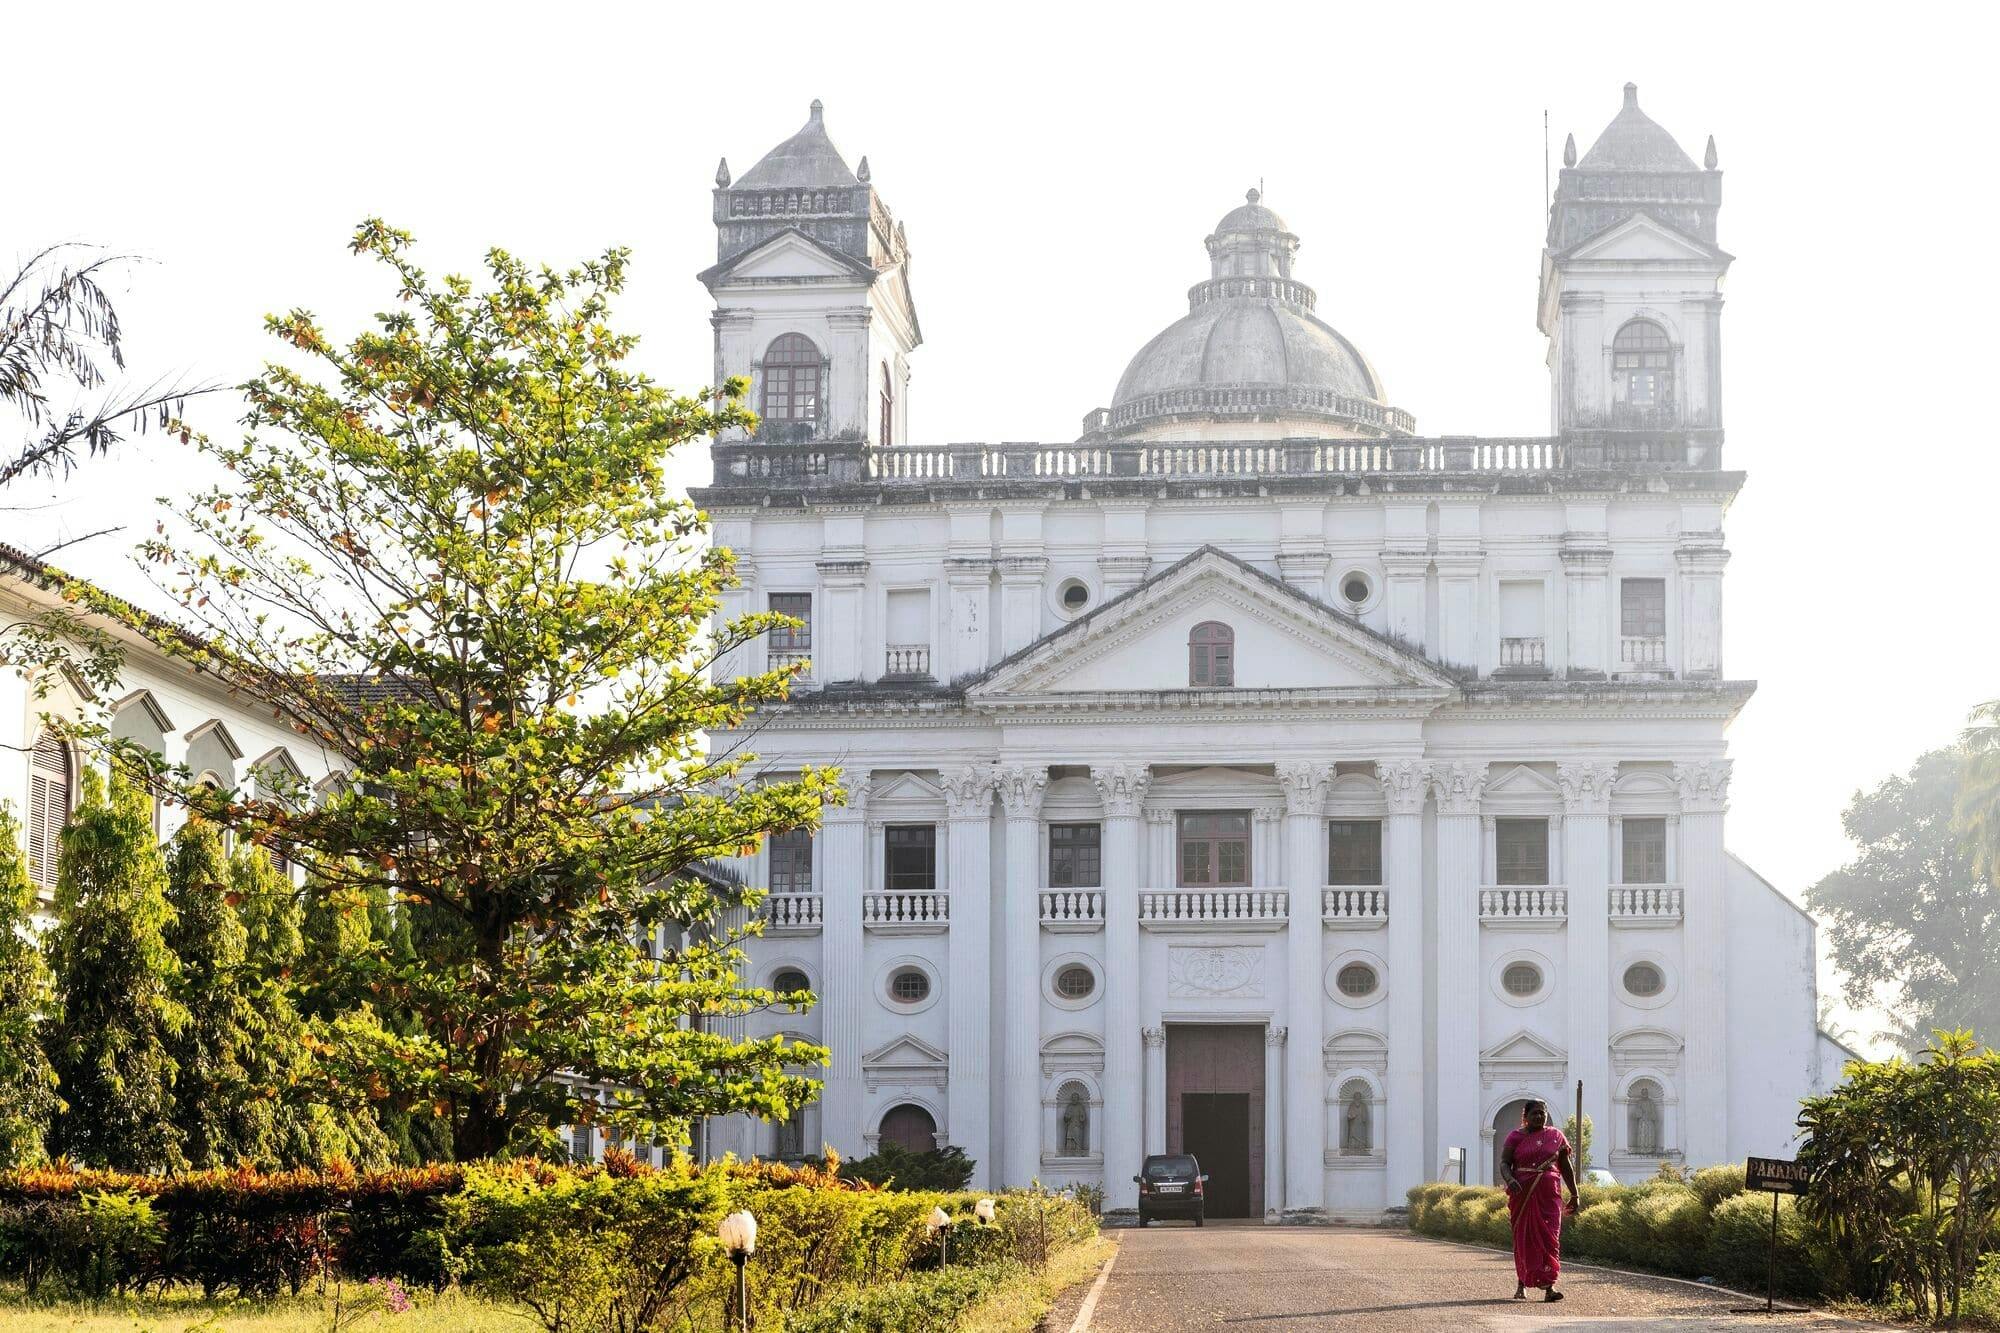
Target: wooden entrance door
x=1215 y=1110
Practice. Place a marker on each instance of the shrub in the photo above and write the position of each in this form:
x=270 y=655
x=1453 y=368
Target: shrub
x=1716 y=1183
x=1739 y=1241
x=1675 y=1228
x=892 y=1164
x=112 y=1240
x=929 y=1303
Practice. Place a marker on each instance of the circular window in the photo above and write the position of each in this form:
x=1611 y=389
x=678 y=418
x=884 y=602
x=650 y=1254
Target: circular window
x=790 y=979
x=1356 y=979
x=1354 y=588
x=1522 y=979
x=1074 y=596
x=909 y=985
x=1644 y=980
x=1075 y=982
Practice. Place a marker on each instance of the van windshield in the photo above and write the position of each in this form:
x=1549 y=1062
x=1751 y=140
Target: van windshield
x=1169 y=1168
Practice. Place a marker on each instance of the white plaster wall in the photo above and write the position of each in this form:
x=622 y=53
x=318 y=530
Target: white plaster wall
x=1774 y=1015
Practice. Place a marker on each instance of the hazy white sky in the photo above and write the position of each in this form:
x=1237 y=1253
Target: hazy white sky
x=1057 y=167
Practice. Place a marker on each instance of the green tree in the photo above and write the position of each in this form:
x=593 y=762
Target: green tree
x=115 y=1012
x=218 y=1122
x=28 y=1100
x=458 y=566
x=1913 y=924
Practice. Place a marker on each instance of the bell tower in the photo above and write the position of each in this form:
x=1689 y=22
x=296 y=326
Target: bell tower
x=812 y=295
x=1631 y=295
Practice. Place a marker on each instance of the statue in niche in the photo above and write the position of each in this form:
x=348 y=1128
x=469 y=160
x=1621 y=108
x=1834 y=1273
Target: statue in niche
x=1645 y=1126
x=1355 y=1136
x=1075 y=1123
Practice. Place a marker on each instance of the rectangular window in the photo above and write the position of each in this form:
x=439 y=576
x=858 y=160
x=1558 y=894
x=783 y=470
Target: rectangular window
x=1354 y=851
x=1215 y=848
x=1521 y=850
x=909 y=860
x=792 y=862
x=1645 y=849
x=1074 y=856
x=793 y=639
x=1643 y=608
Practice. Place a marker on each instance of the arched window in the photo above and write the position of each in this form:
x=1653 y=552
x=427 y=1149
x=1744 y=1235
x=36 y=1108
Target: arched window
x=49 y=784
x=1643 y=1117
x=1642 y=368
x=791 y=379
x=888 y=407
x=1357 y=1120
x=910 y=1127
x=1212 y=654
x=1073 y=1120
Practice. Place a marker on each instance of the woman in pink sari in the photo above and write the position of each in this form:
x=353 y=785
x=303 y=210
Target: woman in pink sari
x=1531 y=1160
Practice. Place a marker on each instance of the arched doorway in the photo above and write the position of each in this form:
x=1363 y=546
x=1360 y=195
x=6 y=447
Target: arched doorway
x=1505 y=1122
x=910 y=1127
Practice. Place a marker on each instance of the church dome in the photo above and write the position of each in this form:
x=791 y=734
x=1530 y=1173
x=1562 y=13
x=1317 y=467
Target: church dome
x=1250 y=359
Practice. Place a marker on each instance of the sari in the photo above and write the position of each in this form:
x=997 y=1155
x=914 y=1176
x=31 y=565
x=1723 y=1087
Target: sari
x=1536 y=1207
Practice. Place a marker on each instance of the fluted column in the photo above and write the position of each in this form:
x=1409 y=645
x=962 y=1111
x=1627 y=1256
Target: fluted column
x=1156 y=1092
x=843 y=871
x=1021 y=787
x=1274 y=1123
x=1704 y=792
x=1458 y=787
x=1304 y=785
x=1405 y=788
x=968 y=803
x=1121 y=788
x=1586 y=789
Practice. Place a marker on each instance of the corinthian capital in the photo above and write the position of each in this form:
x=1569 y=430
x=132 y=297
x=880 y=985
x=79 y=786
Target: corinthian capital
x=1405 y=784
x=1458 y=786
x=1304 y=783
x=1586 y=786
x=1704 y=786
x=968 y=791
x=1021 y=787
x=1121 y=787
x=856 y=784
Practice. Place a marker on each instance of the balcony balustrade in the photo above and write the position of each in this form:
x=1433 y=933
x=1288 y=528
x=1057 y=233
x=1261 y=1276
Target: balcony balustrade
x=787 y=657
x=1519 y=654
x=1354 y=907
x=909 y=660
x=1077 y=910
x=1195 y=909
x=1642 y=652
x=906 y=913
x=792 y=914
x=1642 y=905
x=1523 y=906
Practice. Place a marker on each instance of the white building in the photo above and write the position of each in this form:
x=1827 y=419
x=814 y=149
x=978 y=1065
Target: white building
x=1255 y=776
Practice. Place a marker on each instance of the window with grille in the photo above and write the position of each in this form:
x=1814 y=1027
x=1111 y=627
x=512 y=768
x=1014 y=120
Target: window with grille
x=792 y=862
x=1645 y=851
x=1074 y=851
x=909 y=862
x=1356 y=980
x=1643 y=608
x=793 y=638
x=1521 y=850
x=1642 y=364
x=1211 y=654
x=909 y=986
x=48 y=807
x=1354 y=851
x=791 y=380
x=1215 y=848
x=1075 y=982
x=1522 y=980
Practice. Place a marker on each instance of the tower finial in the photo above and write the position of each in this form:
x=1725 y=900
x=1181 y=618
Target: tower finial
x=1708 y=159
x=861 y=172
x=1632 y=96
x=1569 y=151
x=1252 y=195
x=817 y=107
x=722 y=174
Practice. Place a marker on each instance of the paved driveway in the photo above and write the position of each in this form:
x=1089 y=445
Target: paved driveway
x=1171 y=1277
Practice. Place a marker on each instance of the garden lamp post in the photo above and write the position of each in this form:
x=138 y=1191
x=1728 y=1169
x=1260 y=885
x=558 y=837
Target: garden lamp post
x=983 y=1210
x=939 y=1225
x=739 y=1238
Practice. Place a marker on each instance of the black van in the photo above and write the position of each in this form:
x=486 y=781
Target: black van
x=1170 y=1186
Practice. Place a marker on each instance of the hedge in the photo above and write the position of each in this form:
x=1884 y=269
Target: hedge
x=1703 y=1226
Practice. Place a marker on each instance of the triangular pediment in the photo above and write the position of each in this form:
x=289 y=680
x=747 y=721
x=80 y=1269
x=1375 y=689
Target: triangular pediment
x=905 y=1060
x=909 y=788
x=1521 y=786
x=1524 y=1047
x=789 y=254
x=1642 y=237
x=1283 y=640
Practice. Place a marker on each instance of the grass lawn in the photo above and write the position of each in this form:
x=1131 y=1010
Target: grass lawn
x=1019 y=1304
x=188 y=1313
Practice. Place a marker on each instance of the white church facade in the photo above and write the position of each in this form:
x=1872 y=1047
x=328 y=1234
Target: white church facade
x=1254 y=776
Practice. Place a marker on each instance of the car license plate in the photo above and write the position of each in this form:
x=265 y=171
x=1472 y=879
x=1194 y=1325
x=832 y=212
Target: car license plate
x=1172 y=1189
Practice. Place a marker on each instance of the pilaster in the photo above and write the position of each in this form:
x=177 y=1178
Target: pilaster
x=1701 y=557
x=1586 y=832
x=1405 y=788
x=1458 y=571
x=1458 y=788
x=1121 y=792
x=1304 y=786
x=1704 y=794
x=841 y=621
x=1274 y=1123
x=1405 y=571
x=1156 y=1093
x=968 y=797
x=1586 y=561
x=740 y=599
x=1021 y=787
x=843 y=870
